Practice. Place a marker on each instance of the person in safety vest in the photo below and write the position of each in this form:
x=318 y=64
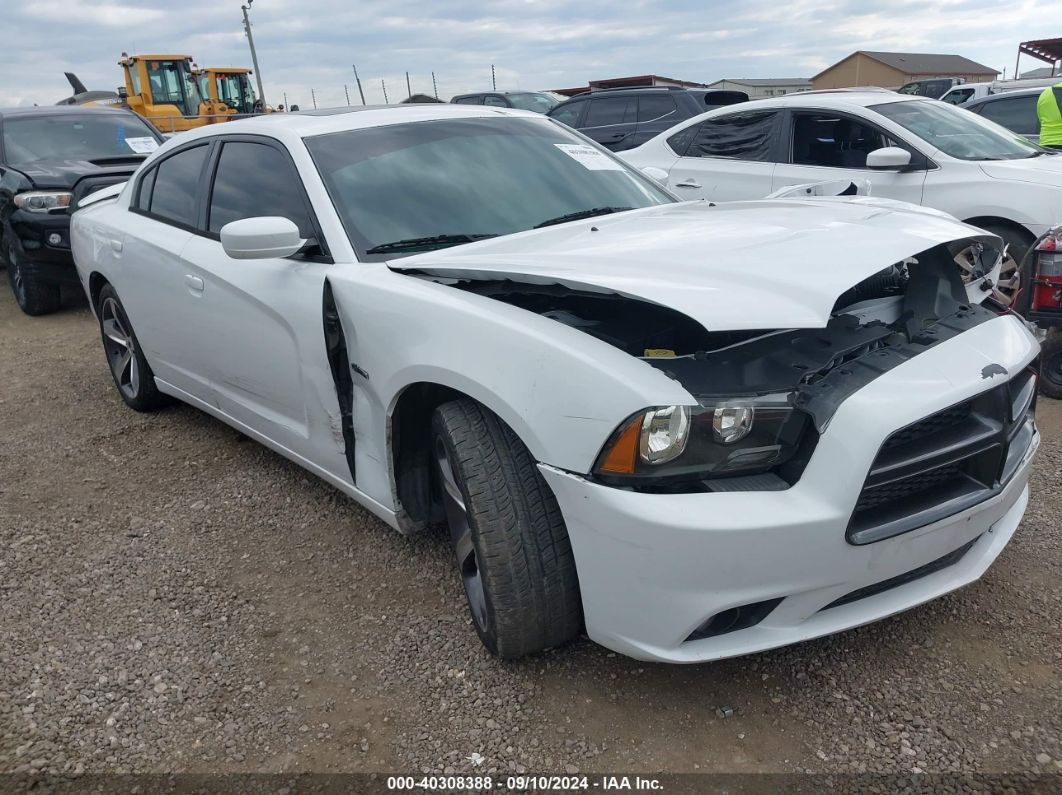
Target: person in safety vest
x=1049 y=110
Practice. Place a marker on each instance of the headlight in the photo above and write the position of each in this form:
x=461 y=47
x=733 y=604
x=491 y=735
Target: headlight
x=719 y=438
x=43 y=201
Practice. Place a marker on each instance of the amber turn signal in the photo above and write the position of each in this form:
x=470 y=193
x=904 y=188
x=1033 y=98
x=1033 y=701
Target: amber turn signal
x=623 y=450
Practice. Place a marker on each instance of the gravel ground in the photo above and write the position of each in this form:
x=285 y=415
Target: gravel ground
x=174 y=597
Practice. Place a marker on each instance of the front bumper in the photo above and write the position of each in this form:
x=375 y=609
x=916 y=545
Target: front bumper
x=30 y=232
x=653 y=568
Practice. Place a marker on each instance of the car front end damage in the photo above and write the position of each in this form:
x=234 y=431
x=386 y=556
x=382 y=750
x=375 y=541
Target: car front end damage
x=823 y=475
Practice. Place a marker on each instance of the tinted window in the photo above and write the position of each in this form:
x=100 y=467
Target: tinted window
x=539 y=102
x=569 y=114
x=143 y=197
x=176 y=184
x=823 y=139
x=474 y=100
x=460 y=177
x=655 y=106
x=82 y=136
x=744 y=136
x=254 y=180
x=958 y=96
x=615 y=110
x=1014 y=113
x=496 y=102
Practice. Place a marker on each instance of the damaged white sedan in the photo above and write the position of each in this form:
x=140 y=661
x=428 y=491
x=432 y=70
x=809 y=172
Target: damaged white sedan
x=696 y=430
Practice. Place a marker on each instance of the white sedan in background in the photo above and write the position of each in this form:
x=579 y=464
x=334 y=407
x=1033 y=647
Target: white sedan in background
x=913 y=149
x=697 y=430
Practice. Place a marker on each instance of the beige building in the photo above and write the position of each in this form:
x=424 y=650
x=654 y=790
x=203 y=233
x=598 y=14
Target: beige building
x=893 y=69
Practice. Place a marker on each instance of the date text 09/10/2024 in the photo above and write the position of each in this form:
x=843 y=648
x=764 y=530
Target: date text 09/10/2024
x=522 y=783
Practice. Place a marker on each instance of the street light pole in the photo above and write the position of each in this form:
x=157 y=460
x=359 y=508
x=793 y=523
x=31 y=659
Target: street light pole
x=254 y=56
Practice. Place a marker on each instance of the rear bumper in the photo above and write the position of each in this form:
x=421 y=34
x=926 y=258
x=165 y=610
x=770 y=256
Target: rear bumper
x=654 y=568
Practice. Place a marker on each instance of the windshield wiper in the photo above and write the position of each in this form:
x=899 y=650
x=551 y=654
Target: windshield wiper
x=561 y=219
x=425 y=243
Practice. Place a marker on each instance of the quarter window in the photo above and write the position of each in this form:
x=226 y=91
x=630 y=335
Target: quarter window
x=253 y=180
x=173 y=196
x=743 y=136
x=615 y=110
x=1014 y=113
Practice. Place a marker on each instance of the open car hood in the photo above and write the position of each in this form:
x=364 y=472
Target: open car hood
x=735 y=266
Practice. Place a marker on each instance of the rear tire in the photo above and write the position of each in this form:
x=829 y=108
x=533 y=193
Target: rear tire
x=512 y=547
x=34 y=294
x=130 y=370
x=1051 y=366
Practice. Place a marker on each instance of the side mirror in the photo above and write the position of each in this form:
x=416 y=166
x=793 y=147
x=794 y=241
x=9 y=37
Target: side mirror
x=267 y=237
x=889 y=158
x=655 y=173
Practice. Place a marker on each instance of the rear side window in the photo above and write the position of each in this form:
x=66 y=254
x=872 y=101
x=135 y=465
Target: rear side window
x=656 y=106
x=1014 y=113
x=569 y=113
x=745 y=136
x=473 y=100
x=173 y=196
x=254 y=180
x=614 y=110
x=496 y=102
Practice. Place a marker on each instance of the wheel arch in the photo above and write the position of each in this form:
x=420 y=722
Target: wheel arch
x=95 y=284
x=995 y=220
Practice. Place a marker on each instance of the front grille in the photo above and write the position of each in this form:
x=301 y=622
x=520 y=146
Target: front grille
x=946 y=462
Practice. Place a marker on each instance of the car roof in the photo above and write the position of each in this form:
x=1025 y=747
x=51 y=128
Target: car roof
x=306 y=124
x=499 y=91
x=839 y=99
x=59 y=110
x=1017 y=92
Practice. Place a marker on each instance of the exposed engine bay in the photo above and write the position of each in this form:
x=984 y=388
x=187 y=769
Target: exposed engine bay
x=875 y=325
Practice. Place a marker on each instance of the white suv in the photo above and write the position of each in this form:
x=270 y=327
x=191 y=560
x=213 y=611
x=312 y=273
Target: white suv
x=913 y=149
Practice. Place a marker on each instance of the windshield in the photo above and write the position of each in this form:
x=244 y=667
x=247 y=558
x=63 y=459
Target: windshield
x=235 y=91
x=457 y=179
x=957 y=132
x=76 y=137
x=172 y=83
x=538 y=102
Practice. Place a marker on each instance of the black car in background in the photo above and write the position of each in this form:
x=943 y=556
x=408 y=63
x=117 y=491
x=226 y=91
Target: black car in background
x=538 y=101
x=1015 y=110
x=50 y=159
x=623 y=118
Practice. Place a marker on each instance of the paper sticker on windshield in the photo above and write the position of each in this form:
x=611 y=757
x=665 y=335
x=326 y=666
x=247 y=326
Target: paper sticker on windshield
x=142 y=146
x=589 y=157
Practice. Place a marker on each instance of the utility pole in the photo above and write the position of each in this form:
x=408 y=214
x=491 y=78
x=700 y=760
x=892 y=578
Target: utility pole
x=409 y=88
x=358 y=80
x=286 y=105
x=347 y=92
x=254 y=56
x=383 y=85
x=313 y=96
x=493 y=80
x=434 y=88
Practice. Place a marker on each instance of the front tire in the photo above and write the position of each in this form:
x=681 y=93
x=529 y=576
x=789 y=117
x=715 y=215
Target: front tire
x=34 y=294
x=512 y=548
x=130 y=370
x=1051 y=366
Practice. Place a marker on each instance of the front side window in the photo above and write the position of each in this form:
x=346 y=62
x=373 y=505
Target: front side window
x=652 y=107
x=476 y=99
x=615 y=110
x=569 y=114
x=494 y=102
x=958 y=96
x=1014 y=113
x=172 y=84
x=536 y=101
x=834 y=141
x=173 y=197
x=82 y=136
x=468 y=178
x=742 y=136
x=235 y=91
x=253 y=180
x=957 y=132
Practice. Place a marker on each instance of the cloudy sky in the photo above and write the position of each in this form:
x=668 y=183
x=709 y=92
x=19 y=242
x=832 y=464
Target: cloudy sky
x=534 y=44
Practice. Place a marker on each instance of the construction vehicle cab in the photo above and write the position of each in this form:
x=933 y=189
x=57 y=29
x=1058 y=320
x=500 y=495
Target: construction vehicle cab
x=161 y=88
x=227 y=89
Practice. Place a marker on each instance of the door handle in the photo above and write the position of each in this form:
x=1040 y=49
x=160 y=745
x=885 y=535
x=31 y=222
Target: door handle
x=194 y=283
x=617 y=136
x=688 y=183
x=116 y=246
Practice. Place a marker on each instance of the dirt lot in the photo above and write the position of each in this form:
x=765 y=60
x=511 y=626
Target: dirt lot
x=174 y=597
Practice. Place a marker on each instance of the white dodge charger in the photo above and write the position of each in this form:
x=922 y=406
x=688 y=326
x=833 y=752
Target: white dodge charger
x=696 y=430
